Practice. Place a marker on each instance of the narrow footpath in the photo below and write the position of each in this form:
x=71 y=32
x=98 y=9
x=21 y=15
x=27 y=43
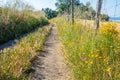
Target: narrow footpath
x=50 y=64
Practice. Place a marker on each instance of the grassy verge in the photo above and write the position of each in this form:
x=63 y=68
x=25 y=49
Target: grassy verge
x=14 y=62
x=15 y=21
x=91 y=57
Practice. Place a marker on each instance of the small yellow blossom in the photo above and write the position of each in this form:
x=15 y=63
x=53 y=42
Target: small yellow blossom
x=111 y=46
x=92 y=55
x=96 y=55
x=91 y=62
x=100 y=57
x=108 y=70
x=105 y=60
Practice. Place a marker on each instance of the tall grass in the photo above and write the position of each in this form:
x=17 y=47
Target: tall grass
x=14 y=62
x=17 y=18
x=91 y=57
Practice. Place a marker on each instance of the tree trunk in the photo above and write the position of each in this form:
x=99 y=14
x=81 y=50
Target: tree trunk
x=68 y=10
x=68 y=15
x=97 y=21
x=73 y=11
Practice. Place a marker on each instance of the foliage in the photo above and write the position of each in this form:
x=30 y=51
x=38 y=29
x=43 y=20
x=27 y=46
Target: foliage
x=49 y=13
x=104 y=17
x=91 y=57
x=18 y=18
x=64 y=5
x=13 y=63
x=83 y=11
x=87 y=12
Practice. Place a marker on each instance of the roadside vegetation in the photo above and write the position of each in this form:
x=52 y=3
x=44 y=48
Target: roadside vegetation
x=93 y=53
x=17 y=18
x=16 y=61
x=92 y=57
x=81 y=11
x=91 y=49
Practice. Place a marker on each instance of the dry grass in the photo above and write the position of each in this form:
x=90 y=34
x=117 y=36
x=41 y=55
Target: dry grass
x=13 y=63
x=14 y=22
x=92 y=57
x=91 y=23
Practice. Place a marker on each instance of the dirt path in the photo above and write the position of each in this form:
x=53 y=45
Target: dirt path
x=50 y=65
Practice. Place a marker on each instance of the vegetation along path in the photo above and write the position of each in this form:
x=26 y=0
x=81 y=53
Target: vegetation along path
x=50 y=64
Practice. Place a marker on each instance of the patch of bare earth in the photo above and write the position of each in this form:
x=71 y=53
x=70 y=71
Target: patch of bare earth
x=50 y=64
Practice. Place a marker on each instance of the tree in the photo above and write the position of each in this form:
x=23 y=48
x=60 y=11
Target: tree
x=49 y=13
x=72 y=11
x=99 y=5
x=86 y=11
x=104 y=17
x=77 y=2
x=64 y=5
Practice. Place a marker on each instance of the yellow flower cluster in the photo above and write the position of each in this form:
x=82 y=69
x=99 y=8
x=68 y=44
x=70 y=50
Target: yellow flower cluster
x=108 y=69
x=108 y=28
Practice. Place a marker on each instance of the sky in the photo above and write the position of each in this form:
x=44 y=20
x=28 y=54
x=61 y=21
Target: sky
x=108 y=6
x=39 y=4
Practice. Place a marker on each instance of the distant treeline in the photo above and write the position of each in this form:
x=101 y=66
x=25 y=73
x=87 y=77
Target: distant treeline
x=87 y=12
x=82 y=11
x=49 y=13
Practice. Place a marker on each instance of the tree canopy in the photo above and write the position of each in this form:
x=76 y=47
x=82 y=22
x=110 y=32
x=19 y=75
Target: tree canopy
x=64 y=5
x=84 y=11
x=49 y=13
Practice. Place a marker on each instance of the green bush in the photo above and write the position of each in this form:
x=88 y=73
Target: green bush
x=13 y=25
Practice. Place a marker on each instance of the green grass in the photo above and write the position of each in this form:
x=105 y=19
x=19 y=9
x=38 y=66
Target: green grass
x=14 y=22
x=14 y=62
x=92 y=57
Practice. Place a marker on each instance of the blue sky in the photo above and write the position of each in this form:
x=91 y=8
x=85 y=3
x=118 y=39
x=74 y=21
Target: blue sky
x=39 y=4
x=108 y=5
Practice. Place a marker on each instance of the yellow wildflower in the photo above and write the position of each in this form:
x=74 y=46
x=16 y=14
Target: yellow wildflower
x=96 y=55
x=108 y=70
x=91 y=62
x=111 y=46
x=108 y=28
x=100 y=57
x=92 y=55
x=105 y=60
